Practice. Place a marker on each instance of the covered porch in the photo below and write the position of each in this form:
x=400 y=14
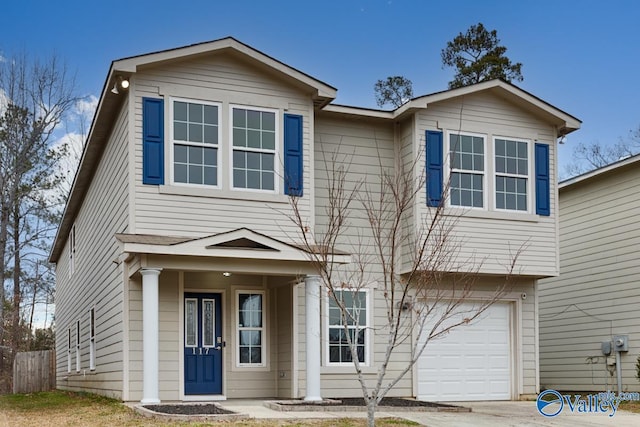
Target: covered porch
x=220 y=317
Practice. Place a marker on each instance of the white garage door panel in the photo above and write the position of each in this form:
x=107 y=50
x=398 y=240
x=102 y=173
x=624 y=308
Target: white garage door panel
x=473 y=362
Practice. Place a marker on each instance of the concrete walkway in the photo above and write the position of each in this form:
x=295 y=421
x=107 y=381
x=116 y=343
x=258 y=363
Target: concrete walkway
x=489 y=414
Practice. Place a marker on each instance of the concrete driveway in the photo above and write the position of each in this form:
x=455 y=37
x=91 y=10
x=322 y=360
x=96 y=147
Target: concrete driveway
x=484 y=414
x=495 y=414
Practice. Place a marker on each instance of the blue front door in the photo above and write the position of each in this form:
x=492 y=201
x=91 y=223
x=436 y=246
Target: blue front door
x=202 y=344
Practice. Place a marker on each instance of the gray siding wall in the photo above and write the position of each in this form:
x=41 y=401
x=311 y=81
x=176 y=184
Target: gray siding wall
x=97 y=280
x=200 y=211
x=489 y=239
x=596 y=295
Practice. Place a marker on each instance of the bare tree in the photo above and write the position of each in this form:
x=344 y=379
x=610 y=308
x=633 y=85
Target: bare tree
x=426 y=284
x=587 y=157
x=36 y=98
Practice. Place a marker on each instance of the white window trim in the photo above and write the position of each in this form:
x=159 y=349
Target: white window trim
x=277 y=153
x=69 y=350
x=367 y=330
x=530 y=175
x=171 y=144
x=78 y=345
x=92 y=338
x=263 y=329
x=486 y=185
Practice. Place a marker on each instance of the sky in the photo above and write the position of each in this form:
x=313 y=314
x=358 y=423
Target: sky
x=580 y=56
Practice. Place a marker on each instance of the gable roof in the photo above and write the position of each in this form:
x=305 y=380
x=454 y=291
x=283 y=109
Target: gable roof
x=238 y=243
x=565 y=122
x=110 y=103
x=632 y=161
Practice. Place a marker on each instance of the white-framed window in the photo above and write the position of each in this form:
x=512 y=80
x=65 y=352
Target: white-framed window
x=92 y=338
x=78 y=346
x=72 y=250
x=467 y=163
x=191 y=322
x=356 y=319
x=195 y=137
x=254 y=135
x=69 y=350
x=250 y=338
x=512 y=174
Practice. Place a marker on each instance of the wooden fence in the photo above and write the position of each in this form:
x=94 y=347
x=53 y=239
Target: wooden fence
x=34 y=371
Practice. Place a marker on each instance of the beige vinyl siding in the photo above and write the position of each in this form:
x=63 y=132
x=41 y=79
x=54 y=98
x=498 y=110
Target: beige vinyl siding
x=363 y=146
x=596 y=295
x=227 y=80
x=408 y=145
x=282 y=305
x=97 y=280
x=491 y=239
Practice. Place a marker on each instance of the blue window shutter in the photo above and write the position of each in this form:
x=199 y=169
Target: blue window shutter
x=434 y=168
x=152 y=141
x=293 y=155
x=543 y=204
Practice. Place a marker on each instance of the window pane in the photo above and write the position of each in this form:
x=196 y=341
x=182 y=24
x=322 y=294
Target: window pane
x=467 y=162
x=267 y=162
x=511 y=149
x=210 y=176
x=195 y=113
x=253 y=119
x=210 y=156
x=195 y=174
x=180 y=131
x=253 y=179
x=466 y=145
x=208 y=323
x=239 y=178
x=180 y=153
x=239 y=118
x=465 y=197
x=239 y=138
x=253 y=139
x=180 y=173
x=211 y=134
x=268 y=121
x=239 y=159
x=269 y=140
x=195 y=133
x=267 y=181
x=253 y=161
x=244 y=355
x=190 y=322
x=477 y=199
x=180 y=111
x=256 y=354
x=195 y=155
x=523 y=167
x=211 y=114
x=478 y=162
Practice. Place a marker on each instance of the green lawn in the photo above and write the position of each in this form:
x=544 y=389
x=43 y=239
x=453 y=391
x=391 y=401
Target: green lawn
x=60 y=408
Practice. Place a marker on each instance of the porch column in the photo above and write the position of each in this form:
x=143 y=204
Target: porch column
x=150 y=335
x=312 y=329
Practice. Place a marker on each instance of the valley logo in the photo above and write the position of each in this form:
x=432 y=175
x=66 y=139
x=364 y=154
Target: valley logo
x=550 y=403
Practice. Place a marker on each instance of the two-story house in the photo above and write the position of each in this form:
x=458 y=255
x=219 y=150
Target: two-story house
x=179 y=273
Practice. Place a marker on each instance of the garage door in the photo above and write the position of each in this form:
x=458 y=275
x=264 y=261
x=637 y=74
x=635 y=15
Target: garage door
x=472 y=362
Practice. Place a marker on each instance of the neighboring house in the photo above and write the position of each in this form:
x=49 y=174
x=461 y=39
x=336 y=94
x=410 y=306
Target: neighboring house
x=178 y=273
x=596 y=297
